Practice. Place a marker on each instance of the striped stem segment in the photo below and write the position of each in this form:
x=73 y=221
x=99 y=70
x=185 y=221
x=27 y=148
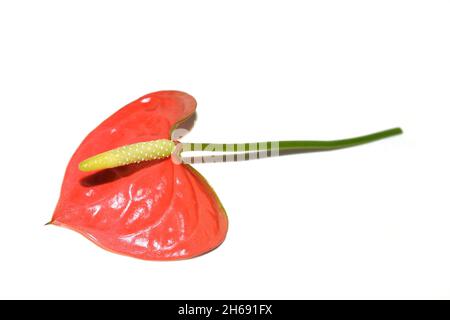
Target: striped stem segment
x=291 y=145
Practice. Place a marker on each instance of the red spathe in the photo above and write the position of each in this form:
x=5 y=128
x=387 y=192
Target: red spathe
x=155 y=210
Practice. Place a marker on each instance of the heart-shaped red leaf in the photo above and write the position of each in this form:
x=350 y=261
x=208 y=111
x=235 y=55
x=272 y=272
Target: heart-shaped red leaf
x=156 y=210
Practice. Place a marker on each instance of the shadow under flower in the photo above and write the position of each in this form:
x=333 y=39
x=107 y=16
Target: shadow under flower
x=113 y=174
x=245 y=156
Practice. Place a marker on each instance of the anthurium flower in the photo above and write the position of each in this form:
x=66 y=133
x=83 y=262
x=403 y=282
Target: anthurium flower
x=123 y=191
x=154 y=210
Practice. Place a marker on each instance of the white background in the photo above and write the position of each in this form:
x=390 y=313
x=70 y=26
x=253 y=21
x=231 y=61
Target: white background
x=366 y=222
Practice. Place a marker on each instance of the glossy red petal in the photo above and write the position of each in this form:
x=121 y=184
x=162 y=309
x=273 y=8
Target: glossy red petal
x=155 y=210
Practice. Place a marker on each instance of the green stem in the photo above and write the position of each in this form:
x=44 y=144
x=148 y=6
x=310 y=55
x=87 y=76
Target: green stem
x=296 y=145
